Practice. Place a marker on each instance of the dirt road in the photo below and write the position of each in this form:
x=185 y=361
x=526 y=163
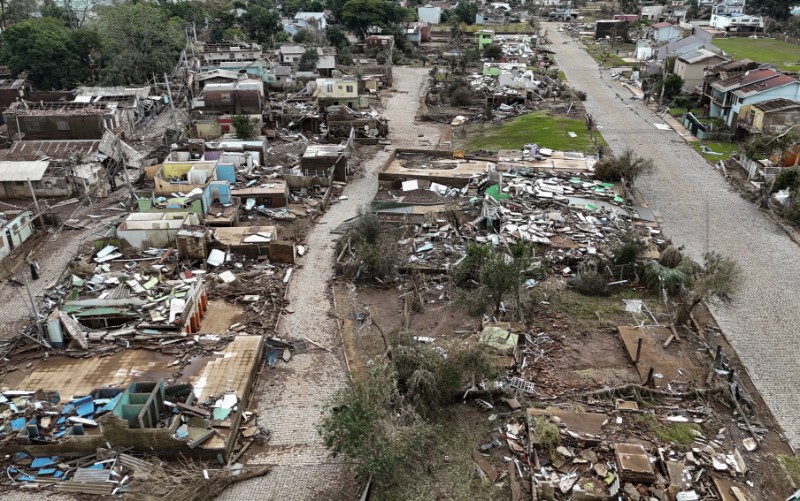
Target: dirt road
x=291 y=398
x=702 y=213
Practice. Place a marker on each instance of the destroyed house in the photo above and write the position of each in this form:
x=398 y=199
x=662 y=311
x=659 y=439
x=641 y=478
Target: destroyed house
x=191 y=418
x=337 y=91
x=136 y=99
x=15 y=229
x=74 y=167
x=240 y=97
x=213 y=54
x=62 y=120
x=184 y=171
x=325 y=160
x=274 y=193
x=215 y=205
x=751 y=87
x=769 y=117
x=153 y=229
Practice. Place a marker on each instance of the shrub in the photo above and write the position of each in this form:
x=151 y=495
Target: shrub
x=628 y=166
x=591 y=283
x=462 y=96
x=788 y=178
x=579 y=95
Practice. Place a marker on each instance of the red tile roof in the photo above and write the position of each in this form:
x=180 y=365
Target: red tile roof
x=758 y=87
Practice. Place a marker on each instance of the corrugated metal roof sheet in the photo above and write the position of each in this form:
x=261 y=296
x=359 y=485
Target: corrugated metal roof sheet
x=22 y=171
x=763 y=85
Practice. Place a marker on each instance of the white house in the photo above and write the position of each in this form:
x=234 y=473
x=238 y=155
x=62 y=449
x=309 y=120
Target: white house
x=664 y=32
x=311 y=20
x=729 y=15
x=429 y=14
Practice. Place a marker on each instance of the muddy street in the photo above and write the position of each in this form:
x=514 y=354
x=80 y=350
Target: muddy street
x=291 y=398
x=702 y=212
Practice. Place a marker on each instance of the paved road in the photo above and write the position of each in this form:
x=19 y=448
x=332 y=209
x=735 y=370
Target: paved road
x=701 y=212
x=292 y=397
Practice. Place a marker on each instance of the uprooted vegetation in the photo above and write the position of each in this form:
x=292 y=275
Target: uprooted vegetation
x=387 y=420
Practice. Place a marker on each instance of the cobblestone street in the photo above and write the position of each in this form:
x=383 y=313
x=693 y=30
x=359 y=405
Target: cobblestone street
x=702 y=212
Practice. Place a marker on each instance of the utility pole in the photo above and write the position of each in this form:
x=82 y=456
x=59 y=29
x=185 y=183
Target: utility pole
x=171 y=104
x=33 y=195
x=663 y=82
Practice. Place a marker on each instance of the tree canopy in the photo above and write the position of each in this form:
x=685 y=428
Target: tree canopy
x=362 y=15
x=53 y=55
x=262 y=21
x=139 y=41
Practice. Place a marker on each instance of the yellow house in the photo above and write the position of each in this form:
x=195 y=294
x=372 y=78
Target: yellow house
x=337 y=91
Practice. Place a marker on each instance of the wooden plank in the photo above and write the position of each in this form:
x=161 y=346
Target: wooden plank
x=484 y=465
x=74 y=329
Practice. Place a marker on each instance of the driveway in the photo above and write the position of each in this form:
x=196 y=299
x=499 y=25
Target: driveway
x=702 y=212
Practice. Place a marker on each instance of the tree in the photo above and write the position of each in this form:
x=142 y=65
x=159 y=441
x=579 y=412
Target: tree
x=628 y=166
x=362 y=15
x=465 y=12
x=672 y=87
x=309 y=59
x=493 y=51
x=138 y=42
x=370 y=422
x=303 y=36
x=337 y=37
x=719 y=279
x=245 y=127
x=48 y=50
x=262 y=21
x=20 y=10
x=778 y=9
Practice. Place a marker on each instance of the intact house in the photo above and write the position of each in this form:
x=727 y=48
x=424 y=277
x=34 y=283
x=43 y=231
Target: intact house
x=429 y=14
x=15 y=228
x=64 y=120
x=691 y=64
x=418 y=32
x=771 y=117
x=751 y=87
x=664 y=32
x=729 y=15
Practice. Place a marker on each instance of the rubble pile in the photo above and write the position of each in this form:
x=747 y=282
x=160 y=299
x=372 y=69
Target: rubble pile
x=602 y=449
x=107 y=472
x=572 y=218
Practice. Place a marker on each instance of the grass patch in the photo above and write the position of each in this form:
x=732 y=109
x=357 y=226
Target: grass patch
x=725 y=150
x=451 y=478
x=792 y=465
x=608 y=57
x=547 y=131
x=763 y=50
x=562 y=76
x=677 y=111
x=681 y=434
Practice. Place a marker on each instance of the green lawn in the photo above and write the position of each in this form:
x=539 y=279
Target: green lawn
x=762 y=50
x=676 y=111
x=727 y=150
x=538 y=127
